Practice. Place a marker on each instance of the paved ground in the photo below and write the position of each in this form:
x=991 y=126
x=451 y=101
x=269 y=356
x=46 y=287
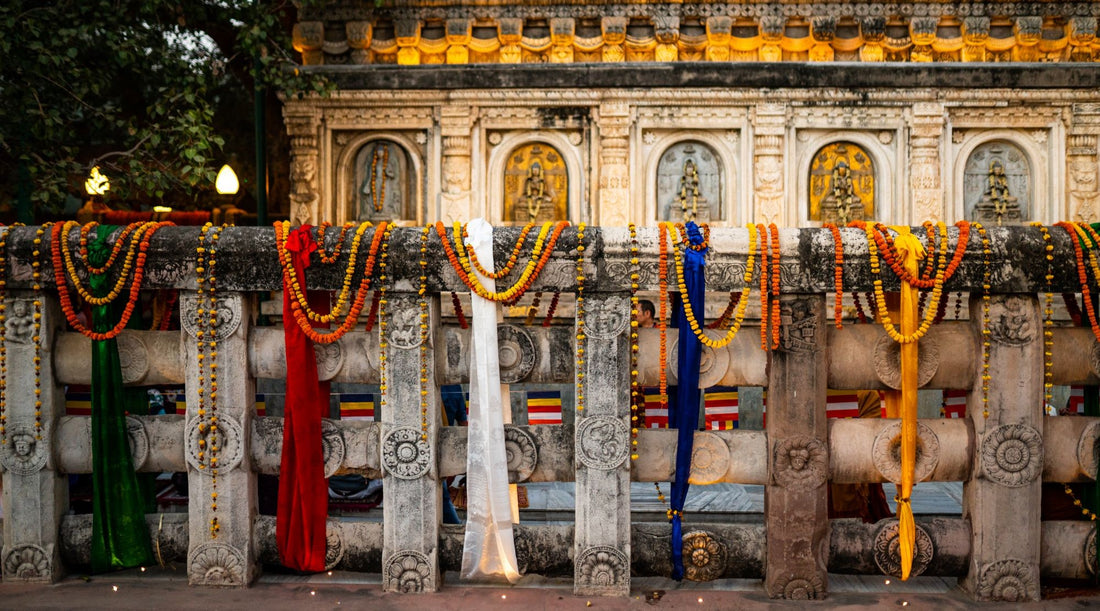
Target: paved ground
x=169 y=590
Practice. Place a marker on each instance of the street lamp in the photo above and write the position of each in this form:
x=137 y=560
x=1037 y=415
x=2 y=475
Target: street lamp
x=227 y=183
x=97 y=184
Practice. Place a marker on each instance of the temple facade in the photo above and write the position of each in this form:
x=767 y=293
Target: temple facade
x=779 y=112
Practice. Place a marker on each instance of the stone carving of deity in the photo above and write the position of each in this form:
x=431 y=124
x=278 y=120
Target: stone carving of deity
x=382 y=179
x=841 y=184
x=996 y=184
x=688 y=181
x=536 y=185
x=534 y=190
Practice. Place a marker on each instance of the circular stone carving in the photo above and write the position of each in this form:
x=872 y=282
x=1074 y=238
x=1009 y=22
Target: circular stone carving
x=138 y=441
x=133 y=357
x=800 y=461
x=1088 y=447
x=333 y=447
x=404 y=454
x=603 y=567
x=522 y=452
x=1090 y=552
x=704 y=556
x=607 y=318
x=888 y=361
x=710 y=459
x=1094 y=358
x=713 y=364
x=602 y=442
x=802 y=588
x=406 y=571
x=1012 y=455
x=888 y=556
x=228 y=316
x=230 y=445
x=886 y=452
x=216 y=564
x=334 y=545
x=517 y=353
x=24 y=454
x=28 y=562
x=1008 y=581
x=330 y=360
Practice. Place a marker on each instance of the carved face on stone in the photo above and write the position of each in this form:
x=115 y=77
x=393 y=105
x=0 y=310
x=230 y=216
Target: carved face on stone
x=23 y=444
x=799 y=458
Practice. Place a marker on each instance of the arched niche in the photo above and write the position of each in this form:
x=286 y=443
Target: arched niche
x=882 y=154
x=501 y=153
x=1044 y=195
x=536 y=184
x=690 y=183
x=725 y=210
x=841 y=184
x=397 y=192
x=997 y=184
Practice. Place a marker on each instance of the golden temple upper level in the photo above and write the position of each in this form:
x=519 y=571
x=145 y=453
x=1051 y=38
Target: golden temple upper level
x=430 y=32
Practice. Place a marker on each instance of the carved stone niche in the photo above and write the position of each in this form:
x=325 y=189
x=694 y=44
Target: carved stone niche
x=690 y=183
x=997 y=184
x=380 y=181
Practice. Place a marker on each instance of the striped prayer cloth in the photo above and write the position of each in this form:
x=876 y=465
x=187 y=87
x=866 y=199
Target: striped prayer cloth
x=656 y=417
x=838 y=404
x=954 y=403
x=78 y=402
x=543 y=407
x=1076 y=402
x=720 y=408
x=357 y=406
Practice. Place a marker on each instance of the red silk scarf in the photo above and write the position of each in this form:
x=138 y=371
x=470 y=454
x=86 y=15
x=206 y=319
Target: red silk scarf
x=303 y=492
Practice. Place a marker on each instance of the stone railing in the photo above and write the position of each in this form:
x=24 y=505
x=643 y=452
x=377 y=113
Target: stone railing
x=999 y=548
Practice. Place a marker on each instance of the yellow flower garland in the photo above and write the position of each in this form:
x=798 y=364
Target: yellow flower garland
x=880 y=298
x=521 y=285
x=343 y=298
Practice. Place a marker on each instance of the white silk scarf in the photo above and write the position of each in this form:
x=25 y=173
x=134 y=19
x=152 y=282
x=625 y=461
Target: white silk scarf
x=489 y=550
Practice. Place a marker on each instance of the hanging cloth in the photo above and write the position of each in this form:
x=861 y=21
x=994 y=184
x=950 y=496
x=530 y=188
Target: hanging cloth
x=120 y=537
x=303 y=492
x=488 y=549
x=684 y=413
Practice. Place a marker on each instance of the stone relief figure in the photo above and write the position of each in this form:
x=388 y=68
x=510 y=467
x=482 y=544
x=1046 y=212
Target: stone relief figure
x=23 y=444
x=997 y=184
x=19 y=327
x=382 y=182
x=842 y=184
x=536 y=185
x=688 y=182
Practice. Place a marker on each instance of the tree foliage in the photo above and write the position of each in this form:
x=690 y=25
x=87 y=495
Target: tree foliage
x=134 y=87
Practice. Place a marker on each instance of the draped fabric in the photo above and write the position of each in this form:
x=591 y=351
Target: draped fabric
x=684 y=413
x=303 y=492
x=120 y=537
x=488 y=550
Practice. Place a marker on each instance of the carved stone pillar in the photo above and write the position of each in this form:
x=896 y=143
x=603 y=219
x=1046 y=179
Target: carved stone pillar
x=796 y=496
x=411 y=513
x=926 y=130
x=614 y=125
x=614 y=35
x=303 y=125
x=455 y=123
x=458 y=37
x=36 y=495
x=769 y=126
x=308 y=38
x=1001 y=497
x=1081 y=163
x=602 y=544
x=229 y=558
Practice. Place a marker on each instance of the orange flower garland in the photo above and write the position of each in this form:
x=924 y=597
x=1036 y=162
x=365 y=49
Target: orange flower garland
x=383 y=342
x=512 y=258
x=838 y=274
x=120 y=282
x=300 y=301
x=36 y=275
x=880 y=299
x=987 y=273
x=549 y=319
x=885 y=245
x=580 y=339
x=763 y=286
x=1048 y=321
x=3 y=334
x=539 y=256
x=63 y=266
x=775 y=285
x=662 y=318
x=637 y=400
x=115 y=250
x=330 y=258
x=1082 y=276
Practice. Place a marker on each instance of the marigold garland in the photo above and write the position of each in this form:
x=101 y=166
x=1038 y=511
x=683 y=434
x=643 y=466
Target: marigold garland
x=543 y=248
x=987 y=274
x=119 y=244
x=549 y=319
x=838 y=274
x=880 y=299
x=763 y=286
x=383 y=343
x=422 y=295
x=1082 y=276
x=372 y=316
x=205 y=334
x=330 y=258
x=123 y=275
x=36 y=276
x=580 y=340
x=860 y=314
x=637 y=400
x=723 y=318
x=1085 y=511
x=3 y=334
x=458 y=311
x=662 y=318
x=1072 y=308
x=1048 y=320
x=533 y=310
x=775 y=285
x=885 y=244
x=513 y=257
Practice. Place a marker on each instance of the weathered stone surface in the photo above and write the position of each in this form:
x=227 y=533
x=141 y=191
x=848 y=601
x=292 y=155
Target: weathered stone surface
x=352 y=545
x=353 y=358
x=949 y=365
x=148 y=358
x=1069 y=549
x=552 y=447
x=159 y=443
x=857 y=547
x=167 y=533
x=743 y=545
x=866 y=450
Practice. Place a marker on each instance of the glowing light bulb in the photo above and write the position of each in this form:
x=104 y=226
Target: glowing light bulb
x=226 y=182
x=97 y=184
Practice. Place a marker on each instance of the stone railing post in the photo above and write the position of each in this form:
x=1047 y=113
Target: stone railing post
x=602 y=543
x=795 y=498
x=36 y=495
x=411 y=513
x=1001 y=498
x=227 y=557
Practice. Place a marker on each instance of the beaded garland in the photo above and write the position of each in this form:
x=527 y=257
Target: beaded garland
x=838 y=274
x=36 y=276
x=123 y=276
x=533 y=310
x=763 y=286
x=459 y=314
x=543 y=248
x=775 y=285
x=422 y=295
x=637 y=400
x=987 y=273
x=382 y=324
x=546 y=322
x=580 y=340
x=3 y=335
x=330 y=258
x=119 y=244
x=205 y=334
x=723 y=318
x=1082 y=275
x=378 y=199
x=513 y=257
x=662 y=318
x=1048 y=320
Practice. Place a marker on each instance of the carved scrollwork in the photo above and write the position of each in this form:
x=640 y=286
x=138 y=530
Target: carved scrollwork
x=608 y=317
x=405 y=455
x=334 y=545
x=798 y=326
x=407 y=571
x=229 y=441
x=602 y=442
x=1009 y=581
x=887 y=556
x=888 y=361
x=704 y=556
x=216 y=564
x=138 y=441
x=1088 y=449
x=603 y=568
x=1012 y=455
x=710 y=459
x=330 y=360
x=800 y=461
x=133 y=357
x=799 y=588
x=517 y=353
x=24 y=454
x=522 y=452
x=227 y=317
x=333 y=447
x=28 y=562
x=886 y=452
x=1010 y=321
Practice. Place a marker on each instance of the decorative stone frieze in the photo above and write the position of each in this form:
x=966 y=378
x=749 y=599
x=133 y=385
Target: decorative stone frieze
x=603 y=569
x=602 y=442
x=799 y=462
x=405 y=455
x=1009 y=581
x=28 y=562
x=1012 y=455
x=408 y=571
x=796 y=587
x=230 y=442
x=216 y=564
